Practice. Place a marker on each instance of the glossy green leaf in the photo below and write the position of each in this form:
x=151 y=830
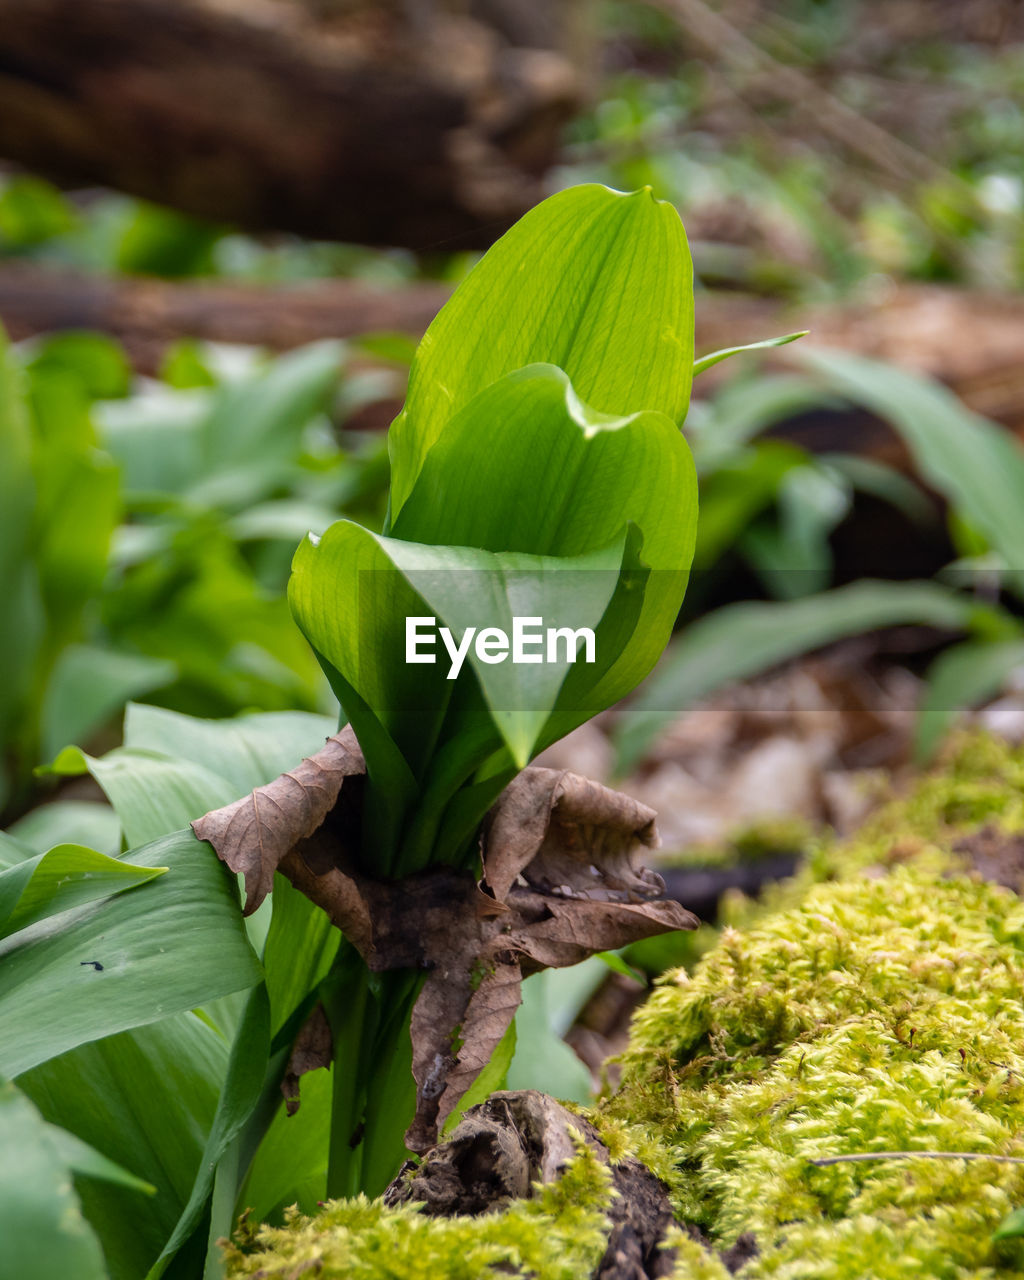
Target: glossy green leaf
x=145 y=1099
x=591 y=280
x=716 y=357
x=557 y=478
x=742 y=639
x=66 y=877
x=170 y=945
x=41 y=1225
x=976 y=464
x=352 y=593
x=959 y=678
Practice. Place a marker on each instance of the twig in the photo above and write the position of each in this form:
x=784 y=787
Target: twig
x=917 y=1155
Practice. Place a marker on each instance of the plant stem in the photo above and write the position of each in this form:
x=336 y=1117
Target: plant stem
x=374 y=1092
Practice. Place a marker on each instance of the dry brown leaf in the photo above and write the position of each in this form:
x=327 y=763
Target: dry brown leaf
x=313 y=1048
x=564 y=833
x=254 y=834
x=561 y=882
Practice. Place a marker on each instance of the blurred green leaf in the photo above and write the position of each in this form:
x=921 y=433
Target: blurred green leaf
x=87 y=1162
x=742 y=639
x=156 y=241
x=44 y=1234
x=976 y=464
x=66 y=821
x=32 y=211
x=959 y=678
x=97 y=363
x=88 y=685
x=1012 y=1225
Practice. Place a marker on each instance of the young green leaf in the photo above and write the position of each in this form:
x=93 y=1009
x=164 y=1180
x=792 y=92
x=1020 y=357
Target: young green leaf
x=66 y=877
x=592 y=280
x=715 y=357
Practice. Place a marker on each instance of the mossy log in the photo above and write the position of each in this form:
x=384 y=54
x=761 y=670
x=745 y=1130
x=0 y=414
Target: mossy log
x=871 y=1007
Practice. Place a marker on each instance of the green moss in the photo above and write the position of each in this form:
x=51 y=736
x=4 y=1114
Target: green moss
x=879 y=1011
x=873 y=1003
x=560 y=1234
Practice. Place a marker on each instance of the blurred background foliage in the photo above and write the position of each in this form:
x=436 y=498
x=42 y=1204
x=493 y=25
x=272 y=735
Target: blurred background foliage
x=818 y=151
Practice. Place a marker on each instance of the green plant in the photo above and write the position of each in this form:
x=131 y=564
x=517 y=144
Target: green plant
x=148 y=531
x=537 y=470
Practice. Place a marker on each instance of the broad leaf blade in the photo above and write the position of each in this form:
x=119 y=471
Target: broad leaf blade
x=173 y=944
x=145 y=1099
x=594 y=281
x=556 y=478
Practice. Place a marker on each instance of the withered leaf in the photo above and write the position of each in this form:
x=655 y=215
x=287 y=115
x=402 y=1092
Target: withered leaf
x=561 y=881
x=254 y=834
x=312 y=1049
x=565 y=833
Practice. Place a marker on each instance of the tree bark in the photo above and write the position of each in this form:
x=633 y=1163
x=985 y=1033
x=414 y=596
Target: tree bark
x=399 y=122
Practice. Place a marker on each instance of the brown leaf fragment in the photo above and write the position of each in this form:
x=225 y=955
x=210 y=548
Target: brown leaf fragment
x=312 y=1049
x=562 y=880
x=565 y=834
x=474 y=986
x=254 y=834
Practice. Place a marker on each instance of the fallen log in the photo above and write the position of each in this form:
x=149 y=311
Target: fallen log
x=394 y=122
x=971 y=341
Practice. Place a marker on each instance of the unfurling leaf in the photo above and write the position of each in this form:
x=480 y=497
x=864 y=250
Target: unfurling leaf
x=560 y=882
